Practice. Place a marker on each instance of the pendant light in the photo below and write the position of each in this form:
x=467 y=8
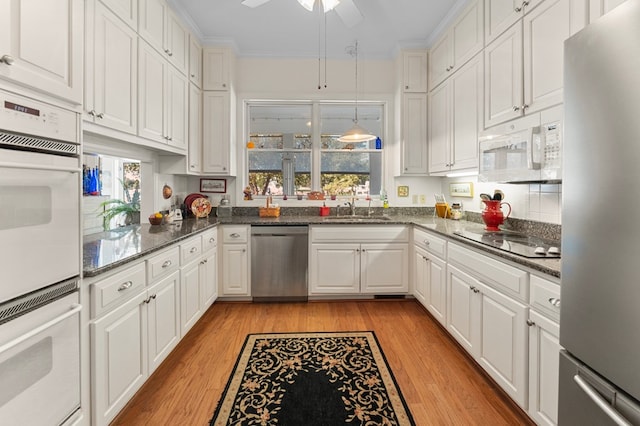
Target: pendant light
x=326 y=4
x=356 y=133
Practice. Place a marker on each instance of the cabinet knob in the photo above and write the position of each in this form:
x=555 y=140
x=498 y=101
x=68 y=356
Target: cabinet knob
x=92 y=113
x=224 y=84
x=193 y=250
x=234 y=235
x=518 y=9
x=525 y=106
x=100 y=115
x=166 y=264
x=125 y=286
x=7 y=59
x=244 y=250
x=425 y=258
x=475 y=290
x=426 y=242
x=530 y=323
x=554 y=302
x=406 y=87
x=516 y=108
x=212 y=240
x=472 y=288
x=166 y=51
x=193 y=75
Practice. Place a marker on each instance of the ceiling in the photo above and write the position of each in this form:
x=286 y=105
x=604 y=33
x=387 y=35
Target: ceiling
x=283 y=28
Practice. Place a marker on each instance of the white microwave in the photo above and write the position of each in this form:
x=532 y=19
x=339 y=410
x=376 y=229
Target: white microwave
x=526 y=150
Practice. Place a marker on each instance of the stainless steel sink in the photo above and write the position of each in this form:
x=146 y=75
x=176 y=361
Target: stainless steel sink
x=355 y=218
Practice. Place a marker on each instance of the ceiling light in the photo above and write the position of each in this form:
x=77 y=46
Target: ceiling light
x=356 y=133
x=327 y=4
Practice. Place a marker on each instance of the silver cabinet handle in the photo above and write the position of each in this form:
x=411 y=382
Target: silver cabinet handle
x=100 y=115
x=554 y=302
x=193 y=75
x=166 y=264
x=7 y=59
x=92 y=113
x=525 y=106
x=193 y=250
x=244 y=250
x=167 y=51
x=234 y=235
x=149 y=299
x=601 y=402
x=475 y=290
x=125 y=286
x=224 y=84
x=530 y=323
x=518 y=9
x=426 y=242
x=472 y=288
x=357 y=250
x=406 y=87
x=212 y=240
x=516 y=108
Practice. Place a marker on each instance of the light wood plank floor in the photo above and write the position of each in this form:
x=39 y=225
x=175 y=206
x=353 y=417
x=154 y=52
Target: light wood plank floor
x=440 y=383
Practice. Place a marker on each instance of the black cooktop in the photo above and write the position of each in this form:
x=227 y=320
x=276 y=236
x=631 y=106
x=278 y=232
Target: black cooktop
x=514 y=242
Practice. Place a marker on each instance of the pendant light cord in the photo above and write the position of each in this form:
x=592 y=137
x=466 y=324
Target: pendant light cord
x=356 y=53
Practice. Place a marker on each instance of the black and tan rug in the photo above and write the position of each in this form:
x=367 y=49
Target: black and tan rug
x=312 y=379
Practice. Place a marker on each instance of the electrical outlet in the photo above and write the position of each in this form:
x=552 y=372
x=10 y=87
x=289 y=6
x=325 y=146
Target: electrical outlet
x=414 y=199
x=423 y=199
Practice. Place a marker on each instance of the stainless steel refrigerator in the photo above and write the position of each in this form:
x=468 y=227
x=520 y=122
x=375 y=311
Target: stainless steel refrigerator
x=600 y=291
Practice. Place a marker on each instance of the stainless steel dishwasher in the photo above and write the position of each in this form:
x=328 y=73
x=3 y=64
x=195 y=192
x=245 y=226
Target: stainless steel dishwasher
x=279 y=260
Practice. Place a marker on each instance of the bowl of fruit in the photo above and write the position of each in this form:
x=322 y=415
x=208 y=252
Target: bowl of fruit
x=156 y=219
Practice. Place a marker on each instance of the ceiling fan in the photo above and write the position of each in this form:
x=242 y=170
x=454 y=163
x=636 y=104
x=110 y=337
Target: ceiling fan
x=346 y=9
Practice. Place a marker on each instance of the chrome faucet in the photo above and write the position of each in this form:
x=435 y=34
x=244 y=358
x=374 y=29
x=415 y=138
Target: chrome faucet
x=352 y=206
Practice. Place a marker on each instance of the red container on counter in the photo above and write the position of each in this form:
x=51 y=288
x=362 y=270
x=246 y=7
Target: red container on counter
x=324 y=211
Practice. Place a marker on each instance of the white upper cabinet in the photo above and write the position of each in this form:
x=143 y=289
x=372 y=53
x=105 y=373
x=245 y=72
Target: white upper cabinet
x=218 y=152
x=127 y=10
x=29 y=30
x=523 y=66
x=414 y=134
x=111 y=70
x=462 y=40
x=195 y=61
x=161 y=28
x=598 y=8
x=217 y=64
x=502 y=14
x=414 y=71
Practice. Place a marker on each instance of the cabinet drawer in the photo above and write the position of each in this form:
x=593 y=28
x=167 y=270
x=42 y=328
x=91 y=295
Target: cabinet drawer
x=190 y=250
x=360 y=233
x=115 y=290
x=163 y=264
x=430 y=243
x=545 y=297
x=235 y=234
x=209 y=240
x=512 y=281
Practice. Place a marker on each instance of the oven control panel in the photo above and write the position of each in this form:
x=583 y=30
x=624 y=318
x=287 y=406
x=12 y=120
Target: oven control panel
x=24 y=115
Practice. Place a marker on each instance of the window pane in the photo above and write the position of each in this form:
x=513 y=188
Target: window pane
x=358 y=173
x=266 y=168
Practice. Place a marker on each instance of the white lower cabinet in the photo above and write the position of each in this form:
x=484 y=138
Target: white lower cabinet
x=341 y=262
x=190 y=309
x=492 y=328
x=234 y=260
x=430 y=283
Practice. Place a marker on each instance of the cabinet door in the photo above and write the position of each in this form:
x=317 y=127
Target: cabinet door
x=194 y=153
x=216 y=69
x=334 y=269
x=209 y=280
x=544 y=348
x=177 y=43
x=467 y=102
x=215 y=133
x=28 y=32
x=420 y=274
x=414 y=134
x=503 y=353
x=163 y=313
x=152 y=18
x=177 y=108
x=545 y=30
x=467 y=35
x=500 y=15
x=414 y=70
x=235 y=270
x=127 y=10
x=112 y=97
x=439 y=129
x=119 y=350
x=195 y=61
x=190 y=297
x=436 y=288
x=151 y=95
x=503 y=77
x=463 y=309
x=440 y=60
x=384 y=268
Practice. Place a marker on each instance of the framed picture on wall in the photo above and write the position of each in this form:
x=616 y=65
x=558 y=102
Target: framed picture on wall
x=461 y=189
x=213 y=185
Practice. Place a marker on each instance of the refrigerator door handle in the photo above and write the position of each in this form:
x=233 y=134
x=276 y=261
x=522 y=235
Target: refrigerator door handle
x=601 y=402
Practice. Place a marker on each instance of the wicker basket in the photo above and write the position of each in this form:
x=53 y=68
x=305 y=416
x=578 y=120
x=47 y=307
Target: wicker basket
x=269 y=212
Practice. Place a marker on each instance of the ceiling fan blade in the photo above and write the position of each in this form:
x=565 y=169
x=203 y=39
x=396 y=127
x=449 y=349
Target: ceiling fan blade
x=254 y=3
x=349 y=13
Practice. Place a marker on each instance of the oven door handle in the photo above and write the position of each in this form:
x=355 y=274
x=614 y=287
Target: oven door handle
x=75 y=308
x=39 y=167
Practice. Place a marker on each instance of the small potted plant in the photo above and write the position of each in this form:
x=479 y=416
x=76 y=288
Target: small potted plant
x=129 y=207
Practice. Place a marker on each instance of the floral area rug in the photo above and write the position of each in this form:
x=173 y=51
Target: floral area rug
x=312 y=379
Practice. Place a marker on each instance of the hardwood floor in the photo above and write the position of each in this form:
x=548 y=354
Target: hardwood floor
x=439 y=382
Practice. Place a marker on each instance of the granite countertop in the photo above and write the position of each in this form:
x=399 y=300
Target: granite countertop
x=107 y=250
